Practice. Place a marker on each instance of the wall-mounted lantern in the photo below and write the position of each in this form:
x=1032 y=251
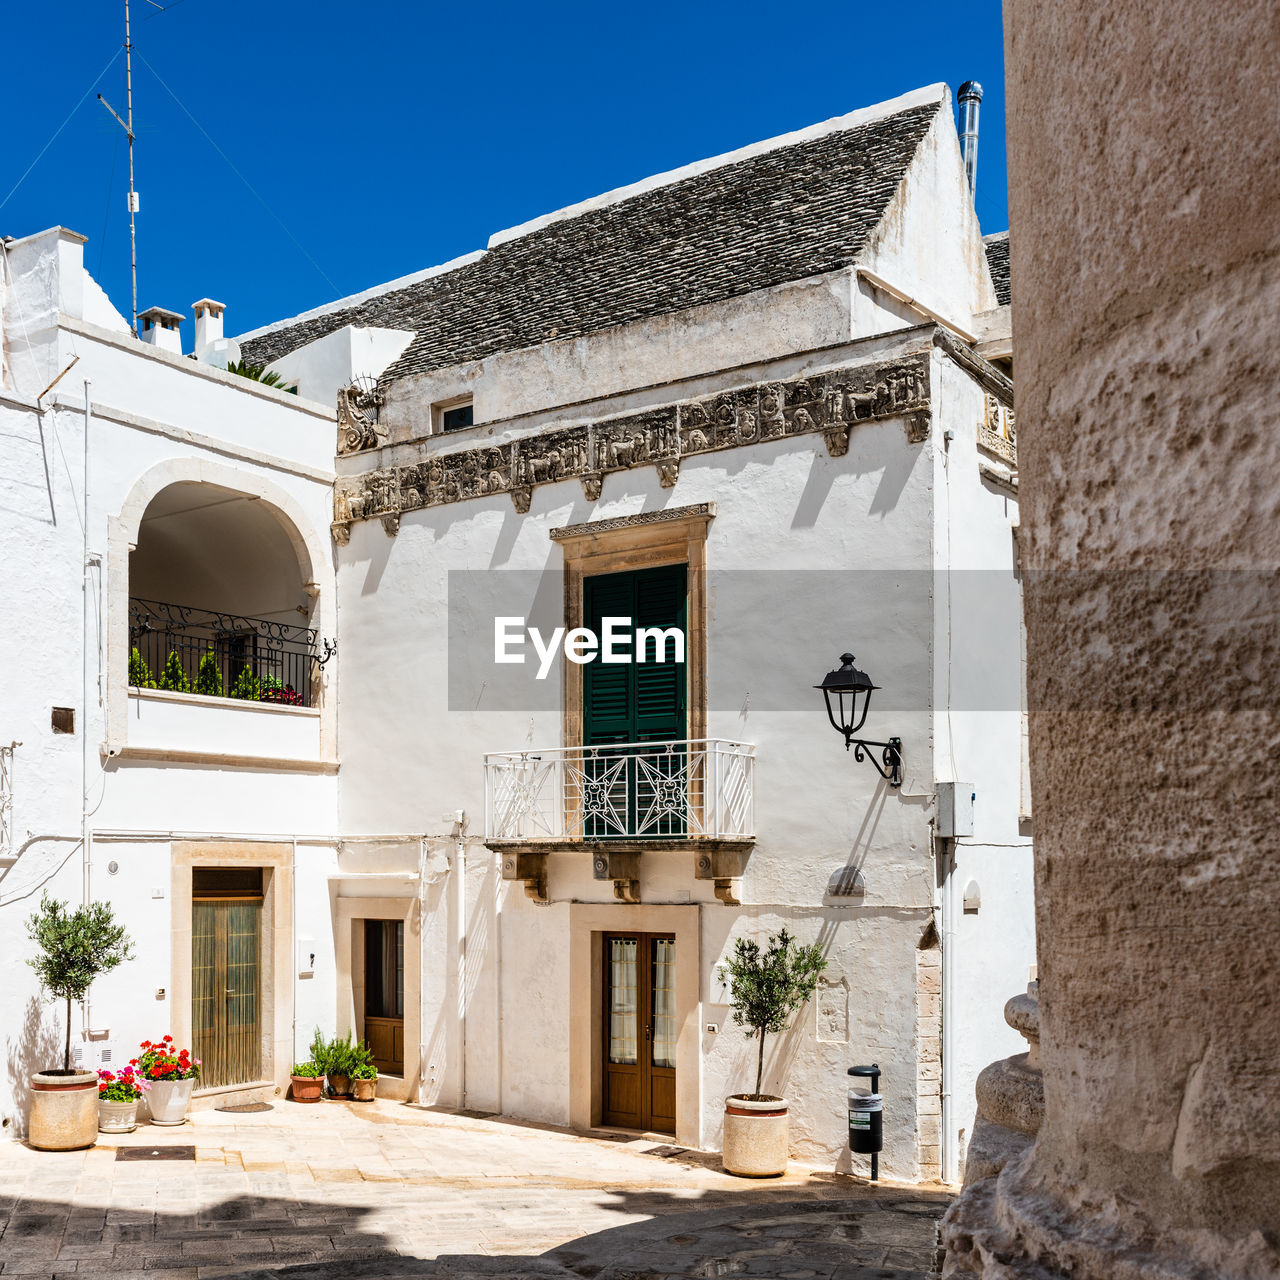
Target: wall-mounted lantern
x=848 y=694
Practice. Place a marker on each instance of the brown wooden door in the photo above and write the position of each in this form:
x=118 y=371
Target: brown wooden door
x=639 y=1031
x=384 y=994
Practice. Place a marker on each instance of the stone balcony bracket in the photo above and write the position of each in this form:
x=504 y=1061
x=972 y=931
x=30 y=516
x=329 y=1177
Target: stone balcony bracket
x=721 y=861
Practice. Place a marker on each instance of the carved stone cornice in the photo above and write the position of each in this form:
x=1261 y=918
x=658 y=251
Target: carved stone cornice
x=978 y=367
x=591 y=528
x=828 y=404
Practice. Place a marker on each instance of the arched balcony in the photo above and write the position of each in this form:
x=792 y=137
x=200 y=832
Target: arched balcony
x=221 y=614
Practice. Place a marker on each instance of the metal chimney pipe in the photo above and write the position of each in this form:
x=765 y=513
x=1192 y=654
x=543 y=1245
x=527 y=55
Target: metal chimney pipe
x=969 y=97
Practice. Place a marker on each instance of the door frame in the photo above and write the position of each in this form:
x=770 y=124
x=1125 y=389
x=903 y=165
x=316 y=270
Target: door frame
x=588 y=922
x=275 y=957
x=350 y=915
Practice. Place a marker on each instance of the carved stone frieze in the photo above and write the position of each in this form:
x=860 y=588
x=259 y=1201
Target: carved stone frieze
x=358 y=419
x=997 y=432
x=832 y=404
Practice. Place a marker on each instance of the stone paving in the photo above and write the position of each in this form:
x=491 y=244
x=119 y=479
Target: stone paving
x=364 y=1191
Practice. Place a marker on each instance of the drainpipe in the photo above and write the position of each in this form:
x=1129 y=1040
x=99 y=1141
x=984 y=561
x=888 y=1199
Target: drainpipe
x=86 y=887
x=950 y=1170
x=422 y=1004
x=460 y=874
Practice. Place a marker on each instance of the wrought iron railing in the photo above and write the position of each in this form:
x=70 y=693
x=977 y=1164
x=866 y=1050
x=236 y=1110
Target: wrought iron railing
x=221 y=654
x=701 y=789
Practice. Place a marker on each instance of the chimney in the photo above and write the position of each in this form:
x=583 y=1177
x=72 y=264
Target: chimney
x=160 y=329
x=208 y=322
x=969 y=97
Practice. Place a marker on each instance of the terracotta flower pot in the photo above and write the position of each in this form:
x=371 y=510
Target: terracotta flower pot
x=340 y=1085
x=169 y=1099
x=117 y=1117
x=366 y=1090
x=64 y=1110
x=756 y=1136
x=307 y=1088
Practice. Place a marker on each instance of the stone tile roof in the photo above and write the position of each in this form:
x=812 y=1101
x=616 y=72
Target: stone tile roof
x=997 y=247
x=786 y=214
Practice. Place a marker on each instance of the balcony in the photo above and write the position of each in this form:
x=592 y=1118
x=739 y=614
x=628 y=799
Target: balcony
x=187 y=650
x=619 y=799
x=222 y=688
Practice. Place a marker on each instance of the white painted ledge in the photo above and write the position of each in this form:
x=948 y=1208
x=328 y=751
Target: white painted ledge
x=163 y=725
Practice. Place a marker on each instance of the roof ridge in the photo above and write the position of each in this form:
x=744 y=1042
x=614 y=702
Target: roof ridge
x=939 y=93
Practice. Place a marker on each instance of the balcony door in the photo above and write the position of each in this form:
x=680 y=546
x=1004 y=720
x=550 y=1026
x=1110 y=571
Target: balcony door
x=639 y=1032
x=226 y=976
x=630 y=792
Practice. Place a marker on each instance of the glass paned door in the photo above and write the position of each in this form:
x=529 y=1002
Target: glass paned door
x=639 y=1032
x=226 y=989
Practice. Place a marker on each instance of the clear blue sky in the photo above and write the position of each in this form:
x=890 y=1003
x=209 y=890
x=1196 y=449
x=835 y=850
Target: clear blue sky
x=388 y=136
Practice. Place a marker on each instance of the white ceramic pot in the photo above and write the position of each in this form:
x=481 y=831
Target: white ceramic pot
x=64 y=1110
x=117 y=1117
x=756 y=1137
x=169 y=1099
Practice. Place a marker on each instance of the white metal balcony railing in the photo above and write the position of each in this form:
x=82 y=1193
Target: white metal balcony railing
x=699 y=789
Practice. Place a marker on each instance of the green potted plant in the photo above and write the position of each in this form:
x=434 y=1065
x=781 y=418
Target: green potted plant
x=307 y=1081
x=338 y=1057
x=140 y=676
x=172 y=1074
x=118 y=1098
x=174 y=675
x=765 y=989
x=209 y=677
x=73 y=948
x=364 y=1082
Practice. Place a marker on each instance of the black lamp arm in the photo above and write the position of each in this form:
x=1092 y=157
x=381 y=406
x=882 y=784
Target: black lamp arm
x=890 y=754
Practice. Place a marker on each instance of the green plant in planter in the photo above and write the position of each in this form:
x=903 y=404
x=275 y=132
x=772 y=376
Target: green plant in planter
x=767 y=987
x=307 y=1071
x=174 y=676
x=365 y=1071
x=249 y=688
x=140 y=676
x=74 y=948
x=209 y=677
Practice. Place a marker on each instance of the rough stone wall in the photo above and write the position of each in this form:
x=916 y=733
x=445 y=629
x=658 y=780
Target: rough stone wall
x=929 y=1061
x=1146 y=279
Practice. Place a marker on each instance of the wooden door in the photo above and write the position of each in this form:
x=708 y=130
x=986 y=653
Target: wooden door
x=226 y=978
x=639 y=1031
x=384 y=994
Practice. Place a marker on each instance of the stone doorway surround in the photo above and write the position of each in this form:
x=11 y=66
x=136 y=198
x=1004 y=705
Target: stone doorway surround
x=276 y=860
x=351 y=913
x=588 y=922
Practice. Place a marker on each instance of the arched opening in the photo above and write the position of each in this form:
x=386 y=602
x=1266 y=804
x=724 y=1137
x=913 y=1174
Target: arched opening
x=218 y=599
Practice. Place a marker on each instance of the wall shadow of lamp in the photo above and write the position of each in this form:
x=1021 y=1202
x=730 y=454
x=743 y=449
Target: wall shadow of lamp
x=848 y=695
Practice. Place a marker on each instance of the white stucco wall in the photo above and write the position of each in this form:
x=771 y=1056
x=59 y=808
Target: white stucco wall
x=152 y=415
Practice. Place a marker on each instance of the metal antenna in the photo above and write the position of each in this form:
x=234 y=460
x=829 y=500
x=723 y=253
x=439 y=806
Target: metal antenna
x=127 y=126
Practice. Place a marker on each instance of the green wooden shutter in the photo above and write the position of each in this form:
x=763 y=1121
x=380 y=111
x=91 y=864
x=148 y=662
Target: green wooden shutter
x=635 y=701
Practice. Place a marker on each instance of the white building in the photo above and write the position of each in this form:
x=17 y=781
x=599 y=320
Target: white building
x=754 y=399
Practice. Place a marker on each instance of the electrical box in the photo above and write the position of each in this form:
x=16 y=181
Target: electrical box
x=955 y=809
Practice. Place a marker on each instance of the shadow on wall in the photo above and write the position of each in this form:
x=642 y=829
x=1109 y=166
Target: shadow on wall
x=37 y=1047
x=732 y=1231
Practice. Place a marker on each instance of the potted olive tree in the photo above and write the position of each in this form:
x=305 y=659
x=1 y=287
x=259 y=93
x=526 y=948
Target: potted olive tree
x=74 y=947
x=765 y=989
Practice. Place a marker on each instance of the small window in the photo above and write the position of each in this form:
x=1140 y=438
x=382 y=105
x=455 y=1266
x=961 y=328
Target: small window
x=63 y=720
x=456 y=417
x=235 y=883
